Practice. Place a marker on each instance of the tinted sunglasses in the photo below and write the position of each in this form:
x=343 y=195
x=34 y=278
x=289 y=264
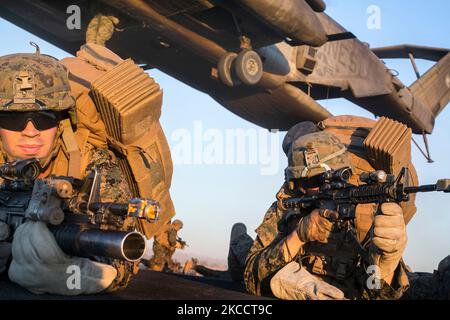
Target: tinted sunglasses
x=308 y=183
x=42 y=120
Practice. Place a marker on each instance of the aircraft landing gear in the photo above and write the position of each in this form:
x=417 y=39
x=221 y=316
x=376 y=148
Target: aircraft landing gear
x=224 y=68
x=245 y=67
x=248 y=67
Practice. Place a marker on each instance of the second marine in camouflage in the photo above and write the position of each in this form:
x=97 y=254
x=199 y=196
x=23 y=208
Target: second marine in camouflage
x=164 y=246
x=333 y=262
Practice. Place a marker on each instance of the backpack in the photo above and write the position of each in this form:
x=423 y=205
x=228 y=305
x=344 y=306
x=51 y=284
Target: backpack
x=118 y=108
x=352 y=131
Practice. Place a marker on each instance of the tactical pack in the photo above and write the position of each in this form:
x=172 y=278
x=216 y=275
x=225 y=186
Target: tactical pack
x=388 y=145
x=118 y=108
x=357 y=134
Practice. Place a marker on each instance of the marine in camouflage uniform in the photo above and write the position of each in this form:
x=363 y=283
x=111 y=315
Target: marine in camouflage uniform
x=341 y=262
x=165 y=244
x=34 y=83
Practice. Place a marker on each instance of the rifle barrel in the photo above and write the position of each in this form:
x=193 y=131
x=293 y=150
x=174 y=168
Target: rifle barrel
x=424 y=188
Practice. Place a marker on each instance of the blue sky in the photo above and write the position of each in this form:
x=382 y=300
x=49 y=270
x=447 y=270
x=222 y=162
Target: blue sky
x=210 y=198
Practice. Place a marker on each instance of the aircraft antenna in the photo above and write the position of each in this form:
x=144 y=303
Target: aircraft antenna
x=414 y=65
x=425 y=153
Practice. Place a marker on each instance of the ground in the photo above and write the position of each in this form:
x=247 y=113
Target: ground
x=149 y=285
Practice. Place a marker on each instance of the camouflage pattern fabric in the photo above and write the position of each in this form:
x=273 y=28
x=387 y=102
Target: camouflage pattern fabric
x=113 y=188
x=269 y=254
x=325 y=149
x=100 y=29
x=162 y=258
x=33 y=82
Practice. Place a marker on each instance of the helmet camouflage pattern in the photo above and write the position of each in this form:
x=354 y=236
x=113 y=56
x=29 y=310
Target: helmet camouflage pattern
x=177 y=223
x=314 y=153
x=34 y=82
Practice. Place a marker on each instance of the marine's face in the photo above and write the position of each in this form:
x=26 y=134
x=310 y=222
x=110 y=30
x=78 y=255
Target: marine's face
x=28 y=143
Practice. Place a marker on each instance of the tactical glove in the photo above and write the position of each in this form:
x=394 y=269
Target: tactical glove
x=388 y=238
x=316 y=226
x=295 y=283
x=40 y=266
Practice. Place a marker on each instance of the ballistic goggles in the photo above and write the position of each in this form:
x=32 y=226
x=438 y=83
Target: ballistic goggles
x=42 y=120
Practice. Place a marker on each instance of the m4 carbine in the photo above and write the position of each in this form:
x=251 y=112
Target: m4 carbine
x=336 y=193
x=81 y=225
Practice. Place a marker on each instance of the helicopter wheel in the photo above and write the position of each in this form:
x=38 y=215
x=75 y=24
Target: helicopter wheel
x=248 y=67
x=224 y=68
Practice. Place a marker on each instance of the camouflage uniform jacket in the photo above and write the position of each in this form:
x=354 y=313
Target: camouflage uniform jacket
x=168 y=238
x=269 y=254
x=113 y=188
x=164 y=247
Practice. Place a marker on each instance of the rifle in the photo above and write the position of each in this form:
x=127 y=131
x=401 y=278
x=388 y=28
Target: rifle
x=336 y=193
x=182 y=243
x=82 y=226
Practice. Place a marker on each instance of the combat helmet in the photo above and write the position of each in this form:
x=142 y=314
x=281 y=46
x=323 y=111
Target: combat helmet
x=177 y=223
x=313 y=154
x=34 y=82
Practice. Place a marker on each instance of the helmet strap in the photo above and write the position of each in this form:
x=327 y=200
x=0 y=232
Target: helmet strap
x=72 y=149
x=321 y=163
x=45 y=162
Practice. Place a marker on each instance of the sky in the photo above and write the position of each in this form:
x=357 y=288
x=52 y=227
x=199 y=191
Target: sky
x=218 y=182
